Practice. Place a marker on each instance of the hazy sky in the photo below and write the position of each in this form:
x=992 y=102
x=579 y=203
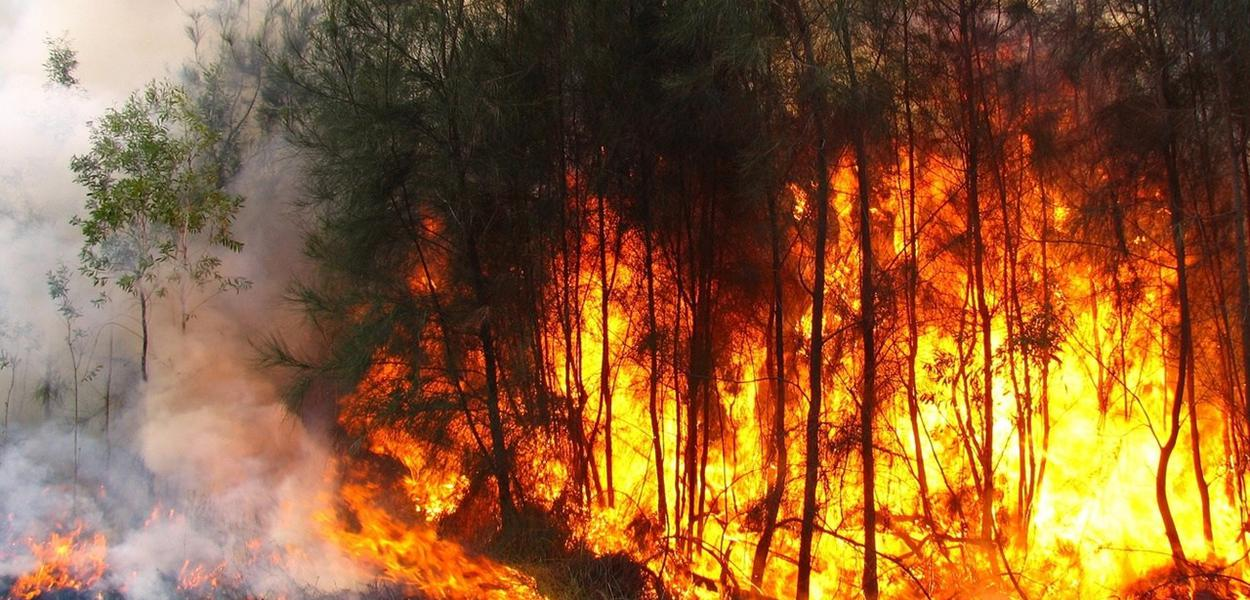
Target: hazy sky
x=121 y=45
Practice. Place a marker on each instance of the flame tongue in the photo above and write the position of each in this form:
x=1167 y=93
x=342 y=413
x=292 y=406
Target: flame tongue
x=65 y=561
x=414 y=557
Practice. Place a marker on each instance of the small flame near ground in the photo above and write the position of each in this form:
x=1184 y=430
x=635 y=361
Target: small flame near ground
x=68 y=559
x=402 y=556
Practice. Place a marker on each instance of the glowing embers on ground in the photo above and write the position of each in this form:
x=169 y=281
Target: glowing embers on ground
x=68 y=559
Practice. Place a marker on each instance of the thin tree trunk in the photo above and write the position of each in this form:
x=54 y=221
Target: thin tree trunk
x=1183 y=358
x=967 y=38
x=704 y=367
x=108 y=406
x=811 y=456
x=653 y=376
x=143 y=337
x=499 y=453
x=1044 y=396
x=1240 y=222
x=605 y=373
x=8 y=400
x=450 y=359
x=913 y=282
x=1200 y=478
x=74 y=365
x=776 y=490
x=867 y=325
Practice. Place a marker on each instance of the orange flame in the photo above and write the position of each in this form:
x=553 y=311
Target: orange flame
x=64 y=562
x=414 y=557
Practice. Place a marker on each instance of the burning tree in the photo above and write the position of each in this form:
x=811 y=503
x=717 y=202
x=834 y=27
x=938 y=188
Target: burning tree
x=793 y=297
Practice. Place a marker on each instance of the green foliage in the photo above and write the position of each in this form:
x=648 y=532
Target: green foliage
x=156 y=210
x=224 y=78
x=58 y=290
x=75 y=336
x=61 y=63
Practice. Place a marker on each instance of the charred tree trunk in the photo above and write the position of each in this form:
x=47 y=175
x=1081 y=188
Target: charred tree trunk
x=1238 y=188
x=704 y=363
x=500 y=463
x=967 y=44
x=811 y=431
x=1042 y=406
x=699 y=234
x=776 y=490
x=1176 y=210
x=811 y=99
x=1200 y=478
x=605 y=373
x=913 y=282
x=653 y=375
x=867 y=324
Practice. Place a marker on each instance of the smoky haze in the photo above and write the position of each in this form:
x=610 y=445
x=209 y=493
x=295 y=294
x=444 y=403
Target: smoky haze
x=202 y=465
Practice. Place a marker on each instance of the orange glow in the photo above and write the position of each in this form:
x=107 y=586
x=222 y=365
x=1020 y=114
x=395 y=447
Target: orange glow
x=65 y=561
x=414 y=557
x=1090 y=526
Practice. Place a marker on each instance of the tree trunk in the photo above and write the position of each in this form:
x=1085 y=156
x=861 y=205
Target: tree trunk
x=8 y=401
x=811 y=456
x=776 y=489
x=605 y=373
x=867 y=322
x=967 y=39
x=1175 y=206
x=913 y=284
x=1200 y=478
x=703 y=366
x=500 y=464
x=108 y=406
x=653 y=375
x=143 y=337
x=816 y=369
x=1240 y=223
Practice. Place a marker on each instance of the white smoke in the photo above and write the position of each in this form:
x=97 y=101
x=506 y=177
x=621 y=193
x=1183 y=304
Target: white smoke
x=202 y=465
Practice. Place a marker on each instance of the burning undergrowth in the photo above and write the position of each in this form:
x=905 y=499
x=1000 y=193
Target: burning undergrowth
x=210 y=513
x=149 y=516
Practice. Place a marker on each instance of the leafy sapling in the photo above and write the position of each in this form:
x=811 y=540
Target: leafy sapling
x=75 y=341
x=157 y=214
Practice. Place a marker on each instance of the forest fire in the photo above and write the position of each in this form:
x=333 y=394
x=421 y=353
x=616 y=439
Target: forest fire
x=656 y=299
x=1073 y=525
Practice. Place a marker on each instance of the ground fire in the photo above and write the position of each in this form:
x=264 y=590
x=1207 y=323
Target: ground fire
x=647 y=299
